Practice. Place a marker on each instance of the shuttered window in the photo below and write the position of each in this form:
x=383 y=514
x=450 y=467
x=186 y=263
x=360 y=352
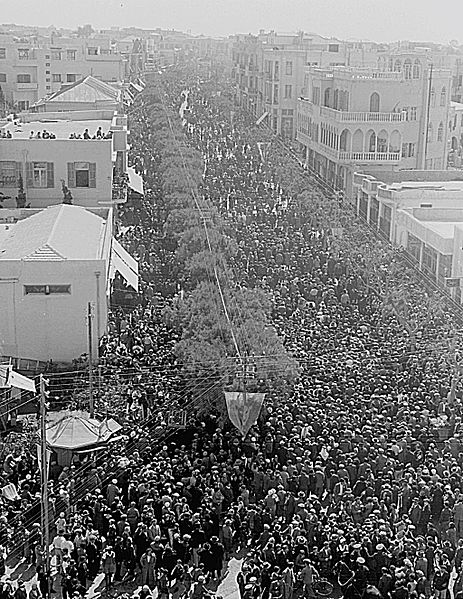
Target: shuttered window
x=81 y=174
x=40 y=174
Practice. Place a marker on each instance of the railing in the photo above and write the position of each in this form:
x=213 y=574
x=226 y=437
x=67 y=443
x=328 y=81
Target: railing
x=363 y=117
x=370 y=156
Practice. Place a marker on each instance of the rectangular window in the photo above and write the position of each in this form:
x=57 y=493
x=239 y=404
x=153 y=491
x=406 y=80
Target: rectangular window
x=56 y=77
x=411 y=150
x=413 y=110
x=404 y=150
x=288 y=91
x=82 y=174
x=23 y=78
x=71 y=77
x=2 y=77
x=92 y=51
x=23 y=105
x=333 y=47
x=23 y=54
x=316 y=95
x=9 y=173
x=56 y=54
x=47 y=72
x=71 y=54
x=276 y=92
x=47 y=289
x=2 y=52
x=40 y=174
x=289 y=67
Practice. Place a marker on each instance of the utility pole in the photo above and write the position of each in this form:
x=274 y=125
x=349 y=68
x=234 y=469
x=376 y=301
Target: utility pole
x=44 y=467
x=90 y=357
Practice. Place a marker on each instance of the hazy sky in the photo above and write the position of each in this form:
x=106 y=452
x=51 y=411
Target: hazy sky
x=378 y=20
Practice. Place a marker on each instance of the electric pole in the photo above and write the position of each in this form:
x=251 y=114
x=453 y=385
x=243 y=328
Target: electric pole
x=44 y=481
x=90 y=358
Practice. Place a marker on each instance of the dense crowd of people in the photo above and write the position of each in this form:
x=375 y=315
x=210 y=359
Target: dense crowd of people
x=353 y=474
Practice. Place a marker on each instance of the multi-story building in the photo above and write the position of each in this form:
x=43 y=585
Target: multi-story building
x=268 y=71
x=394 y=116
x=33 y=67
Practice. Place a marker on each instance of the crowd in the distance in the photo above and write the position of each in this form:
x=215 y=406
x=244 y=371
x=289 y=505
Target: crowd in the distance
x=352 y=474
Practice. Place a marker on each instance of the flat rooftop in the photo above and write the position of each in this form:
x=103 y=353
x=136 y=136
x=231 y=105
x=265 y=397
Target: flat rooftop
x=62 y=129
x=442 y=228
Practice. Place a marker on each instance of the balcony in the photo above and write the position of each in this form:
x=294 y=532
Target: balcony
x=341 y=116
x=369 y=156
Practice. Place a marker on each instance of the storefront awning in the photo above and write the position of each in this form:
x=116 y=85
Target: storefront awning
x=135 y=181
x=125 y=265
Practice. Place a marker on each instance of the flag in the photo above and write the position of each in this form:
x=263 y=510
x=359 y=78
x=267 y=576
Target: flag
x=244 y=410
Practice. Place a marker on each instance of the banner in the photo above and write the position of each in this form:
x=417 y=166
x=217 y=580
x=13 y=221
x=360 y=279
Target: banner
x=10 y=378
x=244 y=409
x=39 y=458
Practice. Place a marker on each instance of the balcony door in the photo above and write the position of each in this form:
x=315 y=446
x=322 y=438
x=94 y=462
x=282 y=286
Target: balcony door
x=374 y=102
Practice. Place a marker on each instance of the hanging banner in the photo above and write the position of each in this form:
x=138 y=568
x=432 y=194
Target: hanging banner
x=243 y=410
x=10 y=378
x=39 y=458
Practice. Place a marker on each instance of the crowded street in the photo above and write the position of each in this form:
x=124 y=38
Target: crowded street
x=349 y=483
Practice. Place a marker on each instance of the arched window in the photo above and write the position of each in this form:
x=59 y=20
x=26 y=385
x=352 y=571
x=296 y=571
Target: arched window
x=336 y=99
x=430 y=132
x=390 y=65
x=372 y=143
x=326 y=97
x=433 y=97
x=440 y=131
x=374 y=102
x=408 y=69
x=443 y=96
x=398 y=66
x=416 y=69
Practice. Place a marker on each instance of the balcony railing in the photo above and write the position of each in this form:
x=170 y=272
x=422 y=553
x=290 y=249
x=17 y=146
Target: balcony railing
x=363 y=117
x=370 y=156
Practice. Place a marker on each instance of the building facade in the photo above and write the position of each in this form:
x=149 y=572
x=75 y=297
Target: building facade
x=35 y=66
x=394 y=116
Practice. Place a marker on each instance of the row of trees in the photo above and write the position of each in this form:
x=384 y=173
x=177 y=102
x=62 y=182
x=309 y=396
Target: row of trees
x=217 y=319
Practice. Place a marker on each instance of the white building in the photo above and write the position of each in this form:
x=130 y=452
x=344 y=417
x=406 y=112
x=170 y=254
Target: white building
x=52 y=264
x=87 y=166
x=391 y=117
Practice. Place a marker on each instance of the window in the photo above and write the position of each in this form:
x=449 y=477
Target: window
x=92 y=51
x=316 y=95
x=23 y=78
x=23 y=105
x=374 y=102
x=2 y=77
x=411 y=150
x=443 y=96
x=9 y=173
x=333 y=47
x=40 y=174
x=288 y=91
x=47 y=289
x=71 y=54
x=408 y=69
x=71 y=77
x=277 y=70
x=398 y=66
x=56 y=77
x=276 y=92
x=23 y=54
x=404 y=150
x=430 y=132
x=2 y=52
x=289 y=67
x=416 y=69
x=47 y=57
x=56 y=54
x=82 y=174
x=440 y=132
x=47 y=72
x=432 y=97
x=413 y=110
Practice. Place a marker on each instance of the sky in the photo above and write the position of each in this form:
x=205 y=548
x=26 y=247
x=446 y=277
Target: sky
x=375 y=20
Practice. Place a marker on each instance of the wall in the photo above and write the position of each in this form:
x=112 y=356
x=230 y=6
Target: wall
x=61 y=152
x=42 y=327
